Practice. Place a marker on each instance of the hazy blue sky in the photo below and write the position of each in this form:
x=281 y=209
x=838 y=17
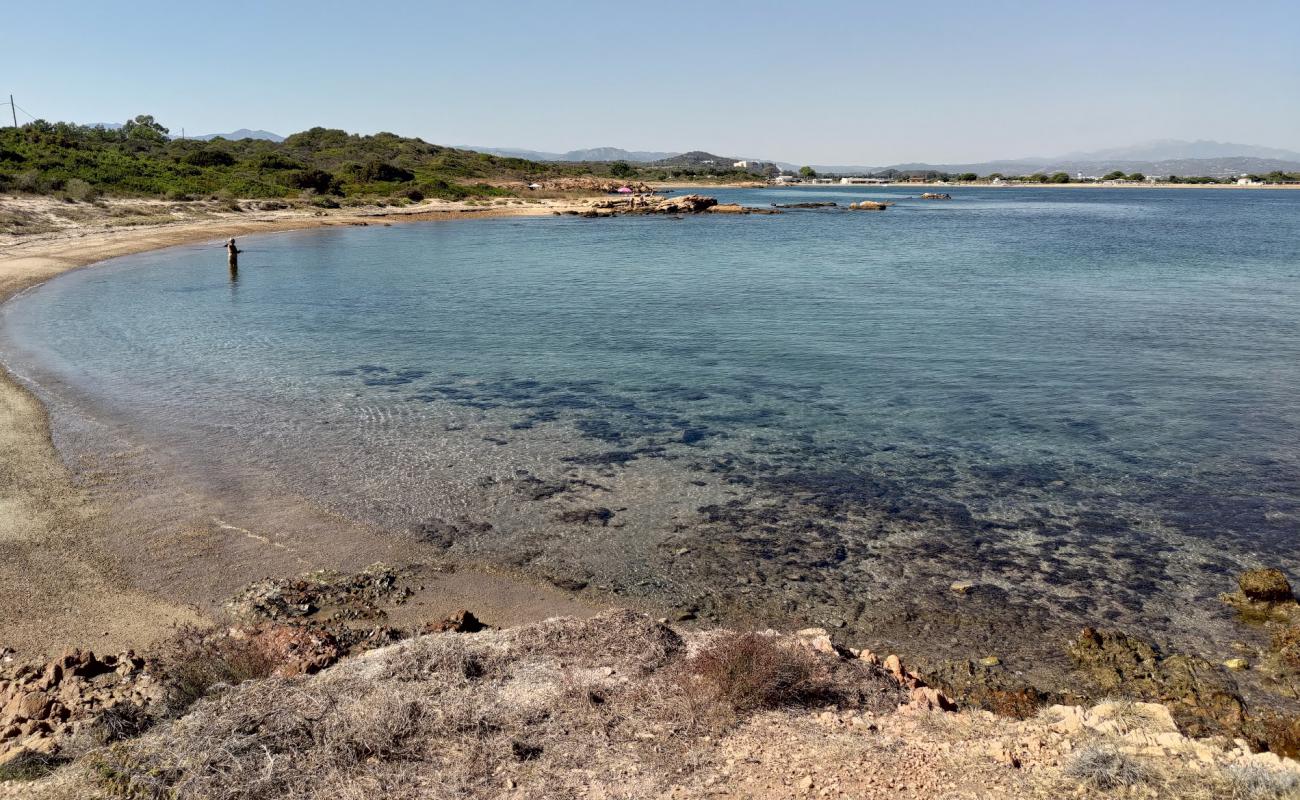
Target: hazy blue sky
x=829 y=82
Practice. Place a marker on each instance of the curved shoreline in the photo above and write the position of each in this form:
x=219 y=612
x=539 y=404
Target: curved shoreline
x=61 y=582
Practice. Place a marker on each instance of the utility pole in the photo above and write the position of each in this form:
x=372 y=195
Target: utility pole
x=13 y=109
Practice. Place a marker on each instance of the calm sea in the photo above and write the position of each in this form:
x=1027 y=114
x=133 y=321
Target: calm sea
x=1086 y=402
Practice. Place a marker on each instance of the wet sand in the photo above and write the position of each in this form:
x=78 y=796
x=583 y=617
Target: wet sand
x=86 y=560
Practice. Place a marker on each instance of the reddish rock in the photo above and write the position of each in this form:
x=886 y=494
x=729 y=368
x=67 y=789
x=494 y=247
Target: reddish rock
x=295 y=650
x=924 y=698
x=462 y=621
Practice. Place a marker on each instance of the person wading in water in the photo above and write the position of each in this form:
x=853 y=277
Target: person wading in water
x=232 y=255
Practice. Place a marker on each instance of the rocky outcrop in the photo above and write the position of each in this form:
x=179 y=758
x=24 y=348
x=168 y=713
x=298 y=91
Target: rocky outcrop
x=1203 y=698
x=292 y=649
x=619 y=705
x=920 y=695
x=325 y=596
x=42 y=708
x=592 y=184
x=936 y=196
x=989 y=686
x=674 y=206
x=869 y=205
x=685 y=204
x=463 y=621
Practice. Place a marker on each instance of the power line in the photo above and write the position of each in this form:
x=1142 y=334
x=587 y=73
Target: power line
x=14 y=108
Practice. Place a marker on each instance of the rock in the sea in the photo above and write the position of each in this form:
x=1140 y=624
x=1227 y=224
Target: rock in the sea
x=1265 y=586
x=686 y=204
x=587 y=516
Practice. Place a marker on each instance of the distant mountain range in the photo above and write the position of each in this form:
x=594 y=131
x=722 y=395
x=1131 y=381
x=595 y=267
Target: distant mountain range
x=242 y=133
x=1178 y=149
x=590 y=154
x=1214 y=167
x=1159 y=157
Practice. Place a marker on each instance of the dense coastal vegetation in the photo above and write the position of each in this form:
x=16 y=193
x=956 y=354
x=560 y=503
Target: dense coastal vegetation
x=140 y=159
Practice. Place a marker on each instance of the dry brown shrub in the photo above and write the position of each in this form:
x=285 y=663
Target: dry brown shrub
x=749 y=672
x=196 y=660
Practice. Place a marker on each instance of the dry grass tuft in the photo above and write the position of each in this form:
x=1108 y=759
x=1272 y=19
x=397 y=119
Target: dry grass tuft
x=29 y=766
x=1126 y=716
x=1107 y=768
x=1255 y=782
x=19 y=221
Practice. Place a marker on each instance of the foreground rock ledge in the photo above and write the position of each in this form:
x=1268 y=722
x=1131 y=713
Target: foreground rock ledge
x=622 y=706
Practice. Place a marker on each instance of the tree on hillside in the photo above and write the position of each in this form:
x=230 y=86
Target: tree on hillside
x=807 y=172
x=1059 y=177
x=620 y=169
x=145 y=127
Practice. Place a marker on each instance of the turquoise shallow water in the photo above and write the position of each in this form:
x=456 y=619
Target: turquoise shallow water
x=1086 y=400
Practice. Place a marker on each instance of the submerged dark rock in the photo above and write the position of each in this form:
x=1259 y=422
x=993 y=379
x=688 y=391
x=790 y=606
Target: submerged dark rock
x=587 y=516
x=441 y=533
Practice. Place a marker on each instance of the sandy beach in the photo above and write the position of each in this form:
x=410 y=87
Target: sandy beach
x=83 y=563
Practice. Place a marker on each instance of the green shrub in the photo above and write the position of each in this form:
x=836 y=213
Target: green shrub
x=210 y=158
x=387 y=173
x=317 y=180
x=275 y=161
